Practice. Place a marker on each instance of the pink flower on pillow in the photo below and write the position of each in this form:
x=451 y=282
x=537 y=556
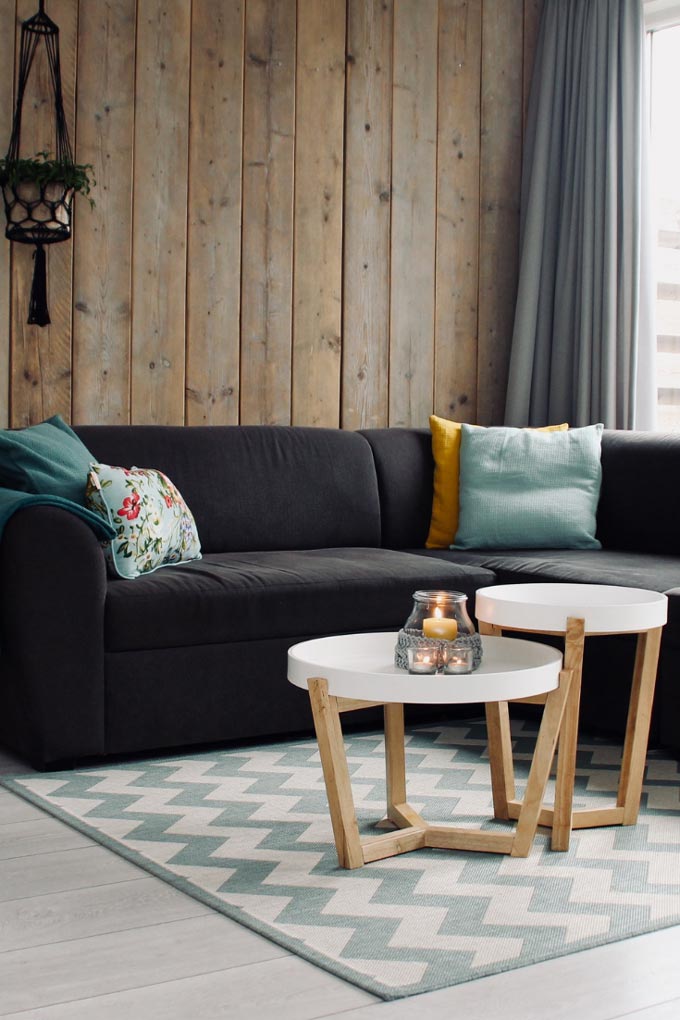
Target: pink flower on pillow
x=130 y=507
x=168 y=501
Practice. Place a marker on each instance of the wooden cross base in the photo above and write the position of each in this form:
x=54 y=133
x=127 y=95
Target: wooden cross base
x=413 y=832
x=562 y=818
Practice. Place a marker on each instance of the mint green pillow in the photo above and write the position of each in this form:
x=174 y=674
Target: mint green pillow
x=46 y=459
x=522 y=489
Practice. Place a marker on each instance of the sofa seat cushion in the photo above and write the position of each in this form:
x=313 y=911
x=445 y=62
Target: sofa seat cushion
x=608 y=663
x=673 y=625
x=255 y=595
x=577 y=566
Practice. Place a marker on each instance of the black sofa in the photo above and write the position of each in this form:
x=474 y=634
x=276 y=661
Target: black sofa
x=305 y=532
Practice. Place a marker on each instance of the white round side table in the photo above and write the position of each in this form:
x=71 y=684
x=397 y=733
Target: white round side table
x=576 y=611
x=353 y=671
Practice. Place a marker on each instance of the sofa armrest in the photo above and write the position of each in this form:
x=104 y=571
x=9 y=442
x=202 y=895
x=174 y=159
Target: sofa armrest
x=52 y=595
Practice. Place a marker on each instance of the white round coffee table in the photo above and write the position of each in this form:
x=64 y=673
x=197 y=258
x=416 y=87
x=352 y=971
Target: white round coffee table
x=352 y=671
x=576 y=611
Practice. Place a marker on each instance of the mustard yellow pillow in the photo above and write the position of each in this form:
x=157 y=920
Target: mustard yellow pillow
x=445 y=498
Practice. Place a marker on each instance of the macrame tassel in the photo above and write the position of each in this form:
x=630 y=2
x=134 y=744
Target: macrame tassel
x=38 y=313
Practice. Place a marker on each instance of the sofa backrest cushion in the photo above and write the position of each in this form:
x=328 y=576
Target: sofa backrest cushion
x=405 y=469
x=640 y=495
x=257 y=487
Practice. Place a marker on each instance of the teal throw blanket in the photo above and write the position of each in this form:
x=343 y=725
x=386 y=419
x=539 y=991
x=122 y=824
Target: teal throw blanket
x=11 y=500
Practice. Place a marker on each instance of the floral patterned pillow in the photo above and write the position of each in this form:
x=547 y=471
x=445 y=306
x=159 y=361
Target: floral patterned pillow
x=154 y=526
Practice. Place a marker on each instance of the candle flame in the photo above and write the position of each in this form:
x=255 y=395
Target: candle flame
x=438 y=612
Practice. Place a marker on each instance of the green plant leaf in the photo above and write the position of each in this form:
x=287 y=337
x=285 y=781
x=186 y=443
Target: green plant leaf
x=41 y=170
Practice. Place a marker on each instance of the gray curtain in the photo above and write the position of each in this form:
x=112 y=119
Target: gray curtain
x=583 y=347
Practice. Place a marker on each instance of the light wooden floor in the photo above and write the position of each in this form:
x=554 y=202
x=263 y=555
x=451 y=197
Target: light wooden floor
x=84 y=935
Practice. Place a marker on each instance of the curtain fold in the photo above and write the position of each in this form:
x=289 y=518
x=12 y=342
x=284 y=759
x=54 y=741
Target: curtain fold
x=583 y=346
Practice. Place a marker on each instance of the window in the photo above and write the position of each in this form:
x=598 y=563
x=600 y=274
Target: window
x=663 y=19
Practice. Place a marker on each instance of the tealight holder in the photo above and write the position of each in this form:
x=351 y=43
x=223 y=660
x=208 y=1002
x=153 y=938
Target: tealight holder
x=423 y=659
x=458 y=660
x=439 y=619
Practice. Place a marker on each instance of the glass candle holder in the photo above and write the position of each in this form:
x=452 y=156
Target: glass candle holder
x=458 y=660
x=423 y=659
x=439 y=614
x=438 y=617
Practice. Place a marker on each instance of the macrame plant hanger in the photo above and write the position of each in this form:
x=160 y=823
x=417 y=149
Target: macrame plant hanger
x=39 y=213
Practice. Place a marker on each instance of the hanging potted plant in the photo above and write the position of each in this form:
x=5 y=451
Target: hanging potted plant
x=38 y=193
x=39 y=190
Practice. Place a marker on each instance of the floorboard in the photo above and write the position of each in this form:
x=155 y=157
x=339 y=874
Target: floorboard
x=287 y=988
x=77 y=913
x=37 y=835
x=60 y=871
x=124 y=961
x=665 y=1011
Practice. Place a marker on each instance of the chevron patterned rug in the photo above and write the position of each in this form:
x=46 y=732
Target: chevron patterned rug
x=247 y=832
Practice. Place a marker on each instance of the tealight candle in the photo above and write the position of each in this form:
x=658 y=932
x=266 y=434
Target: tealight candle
x=460 y=660
x=438 y=626
x=423 y=660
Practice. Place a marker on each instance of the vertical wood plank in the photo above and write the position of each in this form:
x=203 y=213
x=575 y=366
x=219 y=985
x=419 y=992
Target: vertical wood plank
x=317 y=286
x=268 y=164
x=367 y=309
x=8 y=14
x=414 y=182
x=160 y=211
x=457 y=268
x=214 y=237
x=103 y=236
x=501 y=156
x=41 y=356
x=366 y=304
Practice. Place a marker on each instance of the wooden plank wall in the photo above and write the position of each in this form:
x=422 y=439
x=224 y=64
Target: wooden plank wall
x=306 y=212
x=7 y=43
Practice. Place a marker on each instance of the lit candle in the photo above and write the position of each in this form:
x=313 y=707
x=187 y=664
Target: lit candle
x=459 y=661
x=438 y=626
x=423 y=660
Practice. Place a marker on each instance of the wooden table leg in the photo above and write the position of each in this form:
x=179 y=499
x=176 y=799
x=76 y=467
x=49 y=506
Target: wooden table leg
x=541 y=763
x=500 y=745
x=336 y=774
x=395 y=758
x=638 y=723
x=500 y=757
x=398 y=811
x=568 y=740
x=561 y=817
x=413 y=832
